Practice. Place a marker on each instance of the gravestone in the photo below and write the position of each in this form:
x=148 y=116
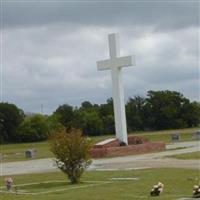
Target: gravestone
x=115 y=64
x=196 y=135
x=30 y=153
x=175 y=137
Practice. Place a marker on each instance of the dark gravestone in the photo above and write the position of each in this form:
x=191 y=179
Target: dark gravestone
x=175 y=137
x=30 y=153
x=196 y=135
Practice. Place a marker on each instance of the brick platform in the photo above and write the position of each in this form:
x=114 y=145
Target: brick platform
x=137 y=145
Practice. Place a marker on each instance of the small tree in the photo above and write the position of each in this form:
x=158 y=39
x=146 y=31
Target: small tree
x=72 y=152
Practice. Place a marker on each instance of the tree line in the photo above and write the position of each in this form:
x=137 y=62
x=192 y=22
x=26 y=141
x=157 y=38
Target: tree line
x=158 y=110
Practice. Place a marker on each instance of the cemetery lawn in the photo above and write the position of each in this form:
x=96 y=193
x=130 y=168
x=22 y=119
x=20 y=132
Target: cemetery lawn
x=98 y=185
x=16 y=152
x=187 y=156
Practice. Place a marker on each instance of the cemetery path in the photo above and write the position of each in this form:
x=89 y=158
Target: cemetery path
x=151 y=160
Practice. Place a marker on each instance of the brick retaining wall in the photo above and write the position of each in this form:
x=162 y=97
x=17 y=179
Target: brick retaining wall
x=137 y=145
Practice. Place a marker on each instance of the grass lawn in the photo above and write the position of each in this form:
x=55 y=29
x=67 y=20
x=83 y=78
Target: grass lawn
x=187 y=156
x=100 y=186
x=164 y=135
x=16 y=152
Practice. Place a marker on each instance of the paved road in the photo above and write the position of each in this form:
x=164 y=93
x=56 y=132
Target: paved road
x=151 y=160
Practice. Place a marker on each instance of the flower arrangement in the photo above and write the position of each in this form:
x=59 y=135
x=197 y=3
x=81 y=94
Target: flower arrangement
x=196 y=191
x=157 y=189
x=8 y=182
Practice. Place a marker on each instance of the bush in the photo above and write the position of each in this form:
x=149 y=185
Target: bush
x=72 y=152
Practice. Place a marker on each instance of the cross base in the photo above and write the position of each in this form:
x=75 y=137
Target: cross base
x=137 y=145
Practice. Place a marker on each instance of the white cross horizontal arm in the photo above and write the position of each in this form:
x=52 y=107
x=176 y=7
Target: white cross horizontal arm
x=116 y=63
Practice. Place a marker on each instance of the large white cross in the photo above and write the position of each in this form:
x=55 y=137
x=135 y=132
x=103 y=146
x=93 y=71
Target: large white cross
x=115 y=64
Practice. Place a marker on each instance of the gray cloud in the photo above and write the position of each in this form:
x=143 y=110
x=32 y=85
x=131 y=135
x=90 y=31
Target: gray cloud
x=160 y=14
x=50 y=51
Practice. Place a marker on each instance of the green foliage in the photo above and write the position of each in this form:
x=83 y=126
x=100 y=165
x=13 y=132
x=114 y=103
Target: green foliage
x=72 y=152
x=106 y=113
x=158 y=111
x=167 y=109
x=10 y=118
x=107 y=108
x=54 y=123
x=86 y=105
x=135 y=113
x=191 y=114
x=65 y=115
x=108 y=124
x=33 y=128
x=92 y=119
x=91 y=124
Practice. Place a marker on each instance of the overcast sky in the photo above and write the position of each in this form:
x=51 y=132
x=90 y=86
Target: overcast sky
x=50 y=49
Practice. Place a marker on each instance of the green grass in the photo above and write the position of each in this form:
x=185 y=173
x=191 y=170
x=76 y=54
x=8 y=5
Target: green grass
x=16 y=152
x=187 y=156
x=178 y=183
x=165 y=135
x=48 y=187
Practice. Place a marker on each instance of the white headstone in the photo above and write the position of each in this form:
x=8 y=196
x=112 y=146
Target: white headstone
x=115 y=64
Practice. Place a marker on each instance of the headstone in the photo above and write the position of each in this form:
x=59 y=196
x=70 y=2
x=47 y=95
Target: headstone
x=196 y=135
x=115 y=64
x=30 y=153
x=175 y=137
x=8 y=182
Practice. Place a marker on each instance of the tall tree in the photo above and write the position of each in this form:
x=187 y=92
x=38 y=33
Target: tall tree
x=164 y=110
x=106 y=113
x=65 y=114
x=10 y=119
x=91 y=123
x=86 y=105
x=190 y=113
x=135 y=113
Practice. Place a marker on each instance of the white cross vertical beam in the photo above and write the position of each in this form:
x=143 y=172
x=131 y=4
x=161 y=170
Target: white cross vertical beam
x=118 y=93
x=119 y=106
x=115 y=63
